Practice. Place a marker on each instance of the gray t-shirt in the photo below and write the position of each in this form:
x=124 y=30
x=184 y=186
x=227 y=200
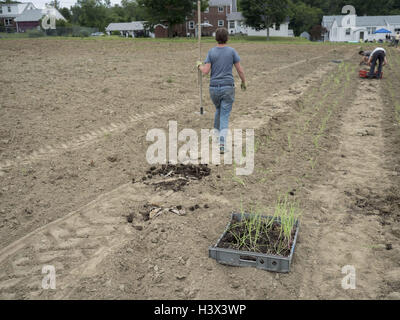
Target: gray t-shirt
x=222 y=60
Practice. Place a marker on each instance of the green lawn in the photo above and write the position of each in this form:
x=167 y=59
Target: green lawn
x=204 y=39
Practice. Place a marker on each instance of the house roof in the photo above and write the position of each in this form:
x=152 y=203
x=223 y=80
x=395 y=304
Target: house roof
x=30 y=15
x=364 y=21
x=235 y=16
x=126 y=26
x=20 y=7
x=37 y=14
x=216 y=3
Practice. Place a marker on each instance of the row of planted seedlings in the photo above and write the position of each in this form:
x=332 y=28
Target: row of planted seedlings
x=314 y=117
x=391 y=86
x=267 y=241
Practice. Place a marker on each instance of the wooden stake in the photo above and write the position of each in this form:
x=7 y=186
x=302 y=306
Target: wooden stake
x=200 y=75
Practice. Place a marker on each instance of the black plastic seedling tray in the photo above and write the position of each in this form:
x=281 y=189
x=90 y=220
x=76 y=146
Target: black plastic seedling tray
x=252 y=259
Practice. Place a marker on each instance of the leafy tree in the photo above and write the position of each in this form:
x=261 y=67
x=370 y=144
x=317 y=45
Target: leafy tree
x=90 y=13
x=66 y=13
x=303 y=17
x=263 y=14
x=133 y=11
x=316 y=32
x=172 y=12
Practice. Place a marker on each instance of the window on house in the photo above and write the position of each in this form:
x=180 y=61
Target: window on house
x=1 y=10
x=397 y=30
x=220 y=23
x=9 y=9
x=220 y=9
x=348 y=31
x=207 y=10
x=8 y=22
x=191 y=24
x=371 y=30
x=232 y=24
x=277 y=27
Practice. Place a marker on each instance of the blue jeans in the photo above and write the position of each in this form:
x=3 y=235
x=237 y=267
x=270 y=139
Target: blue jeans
x=223 y=98
x=378 y=56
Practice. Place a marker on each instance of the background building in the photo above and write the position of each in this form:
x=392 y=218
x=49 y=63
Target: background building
x=10 y=11
x=352 y=28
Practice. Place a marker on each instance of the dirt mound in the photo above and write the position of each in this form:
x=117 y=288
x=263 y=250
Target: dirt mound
x=175 y=177
x=386 y=204
x=188 y=171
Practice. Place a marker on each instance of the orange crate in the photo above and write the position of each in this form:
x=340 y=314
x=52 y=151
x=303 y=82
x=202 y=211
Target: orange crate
x=364 y=73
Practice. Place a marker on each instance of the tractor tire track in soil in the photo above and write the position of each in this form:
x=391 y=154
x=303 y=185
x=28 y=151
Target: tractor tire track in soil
x=77 y=243
x=48 y=151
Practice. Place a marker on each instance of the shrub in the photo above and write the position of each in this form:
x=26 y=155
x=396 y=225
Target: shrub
x=84 y=33
x=35 y=33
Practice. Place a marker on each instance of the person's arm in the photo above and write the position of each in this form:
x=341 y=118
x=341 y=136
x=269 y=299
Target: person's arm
x=205 y=68
x=240 y=71
x=385 y=61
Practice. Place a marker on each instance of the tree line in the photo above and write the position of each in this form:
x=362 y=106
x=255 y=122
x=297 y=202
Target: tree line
x=304 y=15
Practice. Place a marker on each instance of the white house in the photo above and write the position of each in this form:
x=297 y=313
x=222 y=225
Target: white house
x=236 y=25
x=352 y=28
x=133 y=29
x=30 y=19
x=10 y=11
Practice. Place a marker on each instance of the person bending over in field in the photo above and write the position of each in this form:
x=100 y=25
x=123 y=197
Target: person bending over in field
x=220 y=61
x=379 y=54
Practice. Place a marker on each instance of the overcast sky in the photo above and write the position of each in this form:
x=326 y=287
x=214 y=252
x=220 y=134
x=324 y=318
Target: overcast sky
x=63 y=3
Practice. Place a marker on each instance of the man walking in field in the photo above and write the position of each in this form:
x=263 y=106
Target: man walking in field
x=379 y=54
x=220 y=61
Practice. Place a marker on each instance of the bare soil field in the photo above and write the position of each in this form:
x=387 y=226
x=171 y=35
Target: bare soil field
x=73 y=125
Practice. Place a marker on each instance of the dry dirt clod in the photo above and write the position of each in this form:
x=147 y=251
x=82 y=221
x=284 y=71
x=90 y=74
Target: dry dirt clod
x=112 y=158
x=155 y=212
x=130 y=218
